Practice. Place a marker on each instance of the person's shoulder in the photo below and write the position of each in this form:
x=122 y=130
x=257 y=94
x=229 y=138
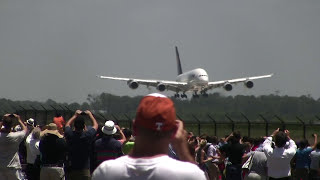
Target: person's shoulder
x=109 y=167
x=184 y=169
x=91 y=132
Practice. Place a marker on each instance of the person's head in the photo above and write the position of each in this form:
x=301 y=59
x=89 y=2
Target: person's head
x=318 y=145
x=7 y=123
x=79 y=123
x=155 y=117
x=202 y=143
x=236 y=135
x=280 y=139
x=303 y=144
x=212 y=139
x=127 y=133
x=30 y=122
x=109 y=128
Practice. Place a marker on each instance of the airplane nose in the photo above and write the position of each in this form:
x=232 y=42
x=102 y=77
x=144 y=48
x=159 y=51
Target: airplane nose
x=204 y=78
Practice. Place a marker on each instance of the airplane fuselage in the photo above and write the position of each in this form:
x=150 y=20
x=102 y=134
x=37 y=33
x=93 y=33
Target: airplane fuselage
x=196 y=79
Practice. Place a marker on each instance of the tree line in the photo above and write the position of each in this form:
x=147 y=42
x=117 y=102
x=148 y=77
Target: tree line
x=216 y=105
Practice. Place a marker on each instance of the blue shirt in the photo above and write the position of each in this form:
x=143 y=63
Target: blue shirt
x=303 y=158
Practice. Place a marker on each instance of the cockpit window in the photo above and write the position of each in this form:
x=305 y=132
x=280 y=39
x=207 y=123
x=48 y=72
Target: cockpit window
x=202 y=75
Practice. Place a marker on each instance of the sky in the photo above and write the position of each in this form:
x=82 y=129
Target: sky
x=53 y=49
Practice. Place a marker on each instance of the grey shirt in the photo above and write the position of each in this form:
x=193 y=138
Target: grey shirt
x=315 y=157
x=259 y=163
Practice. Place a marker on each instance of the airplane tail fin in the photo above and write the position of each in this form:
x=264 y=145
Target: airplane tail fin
x=178 y=62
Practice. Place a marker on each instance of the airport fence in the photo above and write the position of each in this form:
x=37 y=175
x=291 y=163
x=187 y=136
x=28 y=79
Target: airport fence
x=262 y=125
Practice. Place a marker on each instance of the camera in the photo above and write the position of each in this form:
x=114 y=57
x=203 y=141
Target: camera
x=83 y=113
x=11 y=115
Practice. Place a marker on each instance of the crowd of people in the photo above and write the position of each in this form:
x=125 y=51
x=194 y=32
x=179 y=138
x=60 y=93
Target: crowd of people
x=157 y=147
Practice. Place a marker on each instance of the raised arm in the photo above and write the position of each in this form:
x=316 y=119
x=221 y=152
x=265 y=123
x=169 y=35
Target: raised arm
x=71 y=120
x=94 y=121
x=180 y=144
x=24 y=127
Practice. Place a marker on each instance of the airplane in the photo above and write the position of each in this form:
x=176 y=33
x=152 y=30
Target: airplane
x=195 y=80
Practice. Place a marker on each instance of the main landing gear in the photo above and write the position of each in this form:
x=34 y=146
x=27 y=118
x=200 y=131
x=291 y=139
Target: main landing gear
x=182 y=95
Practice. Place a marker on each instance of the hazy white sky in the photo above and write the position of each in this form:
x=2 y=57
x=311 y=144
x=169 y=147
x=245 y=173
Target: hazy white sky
x=54 y=49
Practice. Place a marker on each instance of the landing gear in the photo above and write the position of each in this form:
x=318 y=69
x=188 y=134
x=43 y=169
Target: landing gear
x=182 y=95
x=204 y=93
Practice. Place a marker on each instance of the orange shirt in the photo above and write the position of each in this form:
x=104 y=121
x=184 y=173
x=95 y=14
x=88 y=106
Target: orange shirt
x=59 y=121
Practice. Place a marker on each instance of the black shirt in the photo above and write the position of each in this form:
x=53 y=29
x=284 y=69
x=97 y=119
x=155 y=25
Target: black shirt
x=53 y=149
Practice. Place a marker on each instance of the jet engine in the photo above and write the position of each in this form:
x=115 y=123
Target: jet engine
x=161 y=87
x=248 y=84
x=133 y=84
x=227 y=86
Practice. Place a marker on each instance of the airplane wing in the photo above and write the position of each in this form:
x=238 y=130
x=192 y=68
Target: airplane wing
x=169 y=85
x=216 y=84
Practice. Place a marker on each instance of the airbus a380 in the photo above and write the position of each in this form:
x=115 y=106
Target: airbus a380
x=196 y=80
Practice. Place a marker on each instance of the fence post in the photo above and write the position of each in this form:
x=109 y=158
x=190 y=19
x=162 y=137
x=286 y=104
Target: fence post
x=215 y=124
x=232 y=122
x=282 y=122
x=267 y=124
x=70 y=111
x=199 y=125
x=25 y=112
x=303 y=126
x=35 y=112
x=129 y=119
x=249 y=123
x=115 y=118
x=46 y=113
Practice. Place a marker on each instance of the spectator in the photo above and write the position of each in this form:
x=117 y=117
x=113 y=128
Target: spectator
x=32 y=146
x=60 y=122
x=315 y=162
x=258 y=170
x=201 y=156
x=79 y=144
x=279 y=157
x=155 y=127
x=30 y=124
x=10 y=167
x=129 y=142
x=214 y=154
x=234 y=151
x=107 y=147
x=302 y=158
x=53 y=150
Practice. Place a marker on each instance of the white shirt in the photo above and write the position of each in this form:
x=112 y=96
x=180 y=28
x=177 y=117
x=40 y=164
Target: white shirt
x=32 y=146
x=158 y=168
x=9 y=145
x=278 y=159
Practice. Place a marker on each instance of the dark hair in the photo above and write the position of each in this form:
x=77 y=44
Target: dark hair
x=303 y=144
x=318 y=145
x=127 y=132
x=212 y=139
x=58 y=114
x=7 y=122
x=280 y=139
x=79 y=123
x=237 y=135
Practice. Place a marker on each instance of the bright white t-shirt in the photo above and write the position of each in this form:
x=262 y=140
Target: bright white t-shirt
x=158 y=168
x=32 y=146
